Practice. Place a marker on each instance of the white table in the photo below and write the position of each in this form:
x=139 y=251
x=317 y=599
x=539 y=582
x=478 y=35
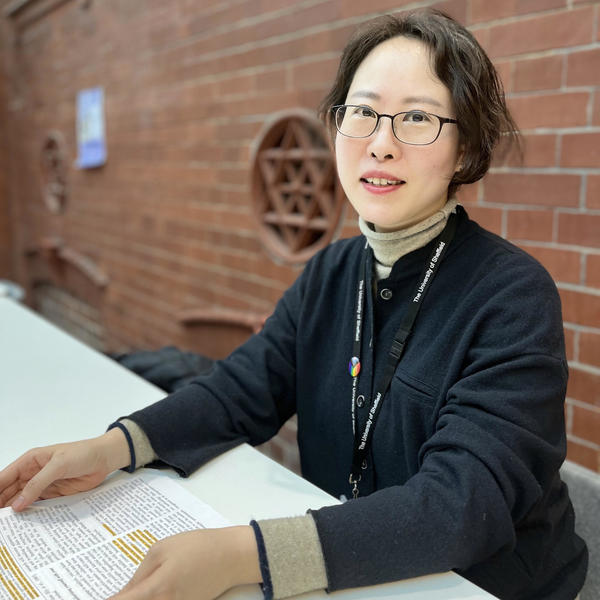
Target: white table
x=55 y=389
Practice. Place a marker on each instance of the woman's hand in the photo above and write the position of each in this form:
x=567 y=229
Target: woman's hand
x=196 y=565
x=62 y=469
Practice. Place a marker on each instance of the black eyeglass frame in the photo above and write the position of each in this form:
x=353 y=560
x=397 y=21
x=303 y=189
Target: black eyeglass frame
x=442 y=120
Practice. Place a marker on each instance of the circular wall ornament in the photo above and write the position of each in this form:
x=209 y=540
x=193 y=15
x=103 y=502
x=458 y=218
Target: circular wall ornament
x=296 y=194
x=54 y=172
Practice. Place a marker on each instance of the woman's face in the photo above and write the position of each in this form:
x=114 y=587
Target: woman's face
x=397 y=76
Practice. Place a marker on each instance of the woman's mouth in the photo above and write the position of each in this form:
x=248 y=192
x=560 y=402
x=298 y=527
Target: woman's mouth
x=381 y=185
x=379 y=181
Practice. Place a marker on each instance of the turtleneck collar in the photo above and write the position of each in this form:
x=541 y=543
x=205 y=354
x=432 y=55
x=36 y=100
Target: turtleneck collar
x=389 y=247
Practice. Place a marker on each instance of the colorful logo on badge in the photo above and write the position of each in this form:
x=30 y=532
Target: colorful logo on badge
x=354 y=366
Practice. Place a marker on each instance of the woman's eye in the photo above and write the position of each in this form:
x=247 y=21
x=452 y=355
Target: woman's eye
x=416 y=116
x=363 y=111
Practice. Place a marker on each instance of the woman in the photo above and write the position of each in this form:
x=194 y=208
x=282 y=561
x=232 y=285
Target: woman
x=428 y=386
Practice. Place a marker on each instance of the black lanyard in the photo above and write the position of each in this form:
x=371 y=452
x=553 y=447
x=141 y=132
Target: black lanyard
x=363 y=439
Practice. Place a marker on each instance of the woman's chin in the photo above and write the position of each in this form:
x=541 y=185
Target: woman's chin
x=386 y=224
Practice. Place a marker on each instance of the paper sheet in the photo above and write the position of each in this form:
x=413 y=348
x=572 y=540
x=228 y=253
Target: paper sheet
x=87 y=547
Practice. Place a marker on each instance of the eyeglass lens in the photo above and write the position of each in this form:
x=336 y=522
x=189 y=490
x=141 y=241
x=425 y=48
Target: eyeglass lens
x=412 y=127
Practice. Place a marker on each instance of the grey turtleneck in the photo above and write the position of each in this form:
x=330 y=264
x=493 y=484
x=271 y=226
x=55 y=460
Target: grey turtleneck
x=389 y=247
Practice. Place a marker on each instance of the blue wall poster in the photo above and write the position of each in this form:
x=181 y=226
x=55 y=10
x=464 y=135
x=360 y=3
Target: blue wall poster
x=91 y=143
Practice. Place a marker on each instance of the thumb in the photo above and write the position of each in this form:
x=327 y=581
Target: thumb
x=36 y=485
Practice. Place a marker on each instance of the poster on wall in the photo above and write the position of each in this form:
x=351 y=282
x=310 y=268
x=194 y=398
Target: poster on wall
x=91 y=143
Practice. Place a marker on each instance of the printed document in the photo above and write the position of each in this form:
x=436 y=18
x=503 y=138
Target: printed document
x=88 y=546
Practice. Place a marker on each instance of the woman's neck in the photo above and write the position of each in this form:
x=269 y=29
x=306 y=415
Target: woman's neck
x=388 y=247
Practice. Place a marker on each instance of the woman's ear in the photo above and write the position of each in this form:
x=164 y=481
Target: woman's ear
x=459 y=160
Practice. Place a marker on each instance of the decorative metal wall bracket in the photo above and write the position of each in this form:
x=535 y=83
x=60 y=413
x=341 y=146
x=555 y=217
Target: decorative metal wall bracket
x=53 y=164
x=60 y=258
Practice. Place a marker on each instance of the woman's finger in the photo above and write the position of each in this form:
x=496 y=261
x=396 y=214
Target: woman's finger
x=144 y=588
x=10 y=493
x=9 y=478
x=10 y=501
x=149 y=566
x=52 y=471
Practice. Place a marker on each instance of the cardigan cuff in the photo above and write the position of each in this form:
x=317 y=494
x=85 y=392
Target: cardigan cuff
x=292 y=556
x=143 y=449
x=266 y=585
x=118 y=425
x=140 y=450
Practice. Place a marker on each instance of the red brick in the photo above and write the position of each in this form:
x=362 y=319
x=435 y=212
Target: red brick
x=586 y=423
x=302 y=17
x=580 y=308
x=563 y=109
x=538 y=74
x=504 y=69
x=482 y=35
x=579 y=229
x=568 y=413
x=355 y=9
x=583 y=455
x=570 y=343
x=584 y=386
x=557 y=30
x=487 y=217
x=580 y=150
x=592 y=272
x=274 y=79
x=563 y=265
x=242 y=84
x=457 y=9
x=583 y=68
x=532 y=225
x=596 y=114
x=593 y=192
x=349 y=229
x=589 y=348
x=484 y=10
x=314 y=72
x=532 y=189
x=252 y=30
x=538 y=150
x=467 y=194
x=237 y=131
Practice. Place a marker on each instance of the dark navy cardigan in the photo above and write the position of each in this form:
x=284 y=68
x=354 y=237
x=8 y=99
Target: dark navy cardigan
x=463 y=471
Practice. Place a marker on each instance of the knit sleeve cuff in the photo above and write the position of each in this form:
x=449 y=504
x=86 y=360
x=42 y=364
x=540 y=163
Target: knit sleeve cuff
x=293 y=556
x=140 y=449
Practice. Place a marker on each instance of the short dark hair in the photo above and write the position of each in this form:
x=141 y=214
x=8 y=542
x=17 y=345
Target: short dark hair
x=463 y=67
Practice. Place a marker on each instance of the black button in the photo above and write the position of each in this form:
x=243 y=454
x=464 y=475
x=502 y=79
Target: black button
x=386 y=293
x=360 y=401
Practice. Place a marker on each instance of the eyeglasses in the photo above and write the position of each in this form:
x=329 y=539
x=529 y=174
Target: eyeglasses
x=415 y=127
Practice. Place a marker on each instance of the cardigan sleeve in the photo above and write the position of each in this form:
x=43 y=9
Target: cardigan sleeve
x=245 y=398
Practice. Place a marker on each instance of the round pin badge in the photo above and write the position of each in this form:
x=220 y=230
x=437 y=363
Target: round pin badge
x=354 y=366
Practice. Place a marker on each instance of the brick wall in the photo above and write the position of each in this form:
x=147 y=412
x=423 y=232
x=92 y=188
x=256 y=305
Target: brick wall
x=70 y=313
x=188 y=85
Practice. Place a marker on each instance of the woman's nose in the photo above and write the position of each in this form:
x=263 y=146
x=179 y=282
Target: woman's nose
x=383 y=144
